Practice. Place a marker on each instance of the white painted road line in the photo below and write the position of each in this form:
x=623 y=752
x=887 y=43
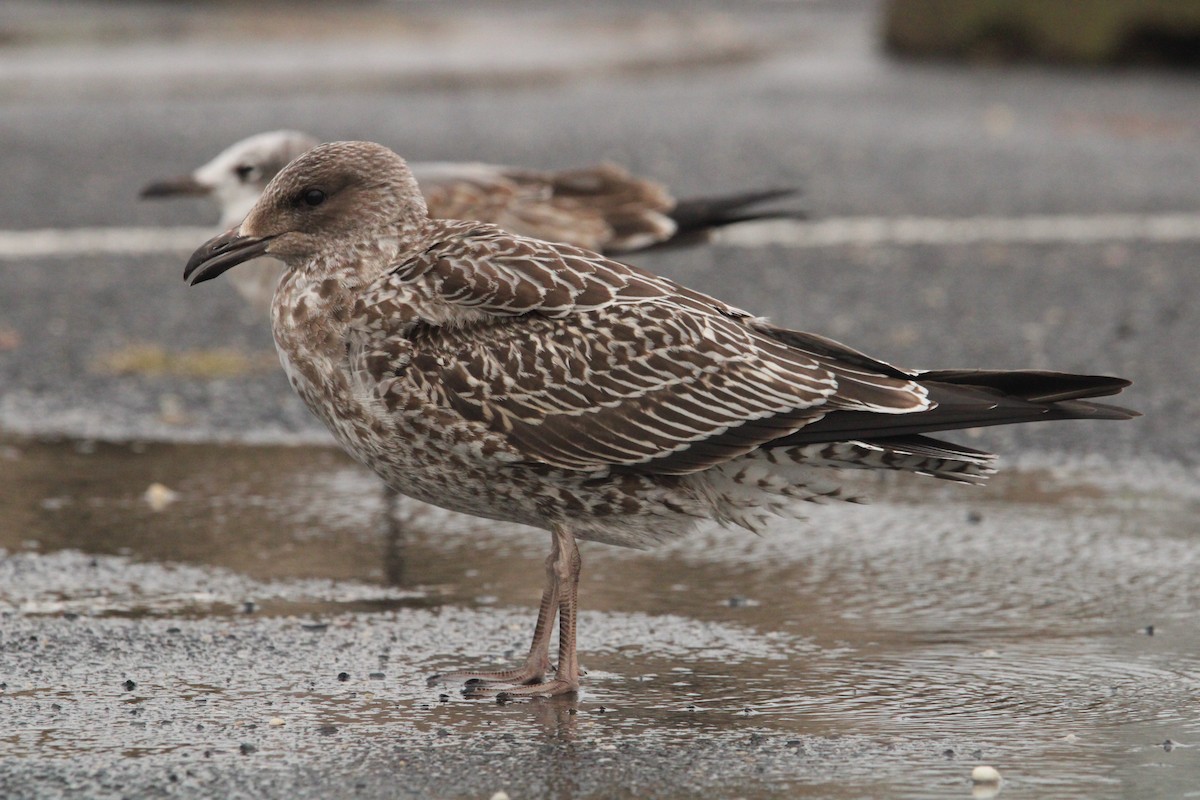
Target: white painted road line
x=62 y=243
x=837 y=232
x=1064 y=229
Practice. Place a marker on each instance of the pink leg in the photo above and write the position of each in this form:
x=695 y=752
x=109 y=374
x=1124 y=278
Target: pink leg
x=559 y=598
x=565 y=574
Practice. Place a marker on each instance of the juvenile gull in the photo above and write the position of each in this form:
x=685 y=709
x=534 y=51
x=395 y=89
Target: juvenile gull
x=540 y=383
x=599 y=207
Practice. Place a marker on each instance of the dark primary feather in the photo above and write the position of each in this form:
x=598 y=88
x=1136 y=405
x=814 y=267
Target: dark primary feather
x=971 y=398
x=697 y=217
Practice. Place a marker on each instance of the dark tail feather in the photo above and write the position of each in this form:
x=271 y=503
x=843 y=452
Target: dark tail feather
x=976 y=398
x=696 y=217
x=1034 y=385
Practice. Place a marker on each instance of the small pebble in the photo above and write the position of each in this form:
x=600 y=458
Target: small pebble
x=275 y=722
x=974 y=517
x=343 y=676
x=1149 y=630
x=129 y=686
x=158 y=497
x=247 y=749
x=985 y=774
x=501 y=795
x=1168 y=745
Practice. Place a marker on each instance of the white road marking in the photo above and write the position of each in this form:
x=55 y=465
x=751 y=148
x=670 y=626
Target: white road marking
x=1065 y=229
x=62 y=243
x=835 y=232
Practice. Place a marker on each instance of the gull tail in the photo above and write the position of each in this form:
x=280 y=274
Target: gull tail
x=976 y=398
x=697 y=217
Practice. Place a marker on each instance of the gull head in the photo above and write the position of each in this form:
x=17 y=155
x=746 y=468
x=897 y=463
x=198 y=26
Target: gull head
x=237 y=176
x=354 y=199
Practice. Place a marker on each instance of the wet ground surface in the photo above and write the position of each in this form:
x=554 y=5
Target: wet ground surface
x=263 y=624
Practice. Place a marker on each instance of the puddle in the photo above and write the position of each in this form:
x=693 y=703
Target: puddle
x=273 y=623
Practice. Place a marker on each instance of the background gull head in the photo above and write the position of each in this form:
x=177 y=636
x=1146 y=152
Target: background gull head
x=237 y=176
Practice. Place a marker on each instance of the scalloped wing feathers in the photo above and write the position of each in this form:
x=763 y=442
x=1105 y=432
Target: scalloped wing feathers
x=579 y=362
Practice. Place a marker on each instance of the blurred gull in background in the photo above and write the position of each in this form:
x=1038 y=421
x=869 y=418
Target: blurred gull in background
x=601 y=207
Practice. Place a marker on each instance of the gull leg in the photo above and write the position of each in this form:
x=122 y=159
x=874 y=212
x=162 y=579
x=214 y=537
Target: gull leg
x=566 y=565
x=537 y=663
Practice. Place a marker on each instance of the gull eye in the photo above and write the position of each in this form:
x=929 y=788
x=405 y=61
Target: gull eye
x=313 y=197
x=245 y=172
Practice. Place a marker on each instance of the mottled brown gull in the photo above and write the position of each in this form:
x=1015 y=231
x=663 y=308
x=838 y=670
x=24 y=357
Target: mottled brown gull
x=540 y=383
x=601 y=207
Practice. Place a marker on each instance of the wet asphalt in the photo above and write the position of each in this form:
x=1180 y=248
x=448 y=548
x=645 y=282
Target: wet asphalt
x=267 y=631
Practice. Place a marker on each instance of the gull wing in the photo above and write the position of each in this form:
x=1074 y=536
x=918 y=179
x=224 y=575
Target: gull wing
x=575 y=361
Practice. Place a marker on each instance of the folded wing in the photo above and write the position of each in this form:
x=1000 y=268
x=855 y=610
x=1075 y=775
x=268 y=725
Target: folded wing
x=579 y=362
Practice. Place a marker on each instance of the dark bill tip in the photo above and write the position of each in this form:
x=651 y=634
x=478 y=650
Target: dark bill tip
x=182 y=186
x=221 y=253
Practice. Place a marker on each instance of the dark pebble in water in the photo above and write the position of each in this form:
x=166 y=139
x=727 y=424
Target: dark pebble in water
x=737 y=601
x=343 y=676
x=376 y=676
x=314 y=626
x=129 y=686
x=174 y=630
x=249 y=607
x=948 y=752
x=327 y=730
x=70 y=615
x=443 y=732
x=247 y=749
x=1168 y=745
x=443 y=698
x=974 y=517
x=1149 y=630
